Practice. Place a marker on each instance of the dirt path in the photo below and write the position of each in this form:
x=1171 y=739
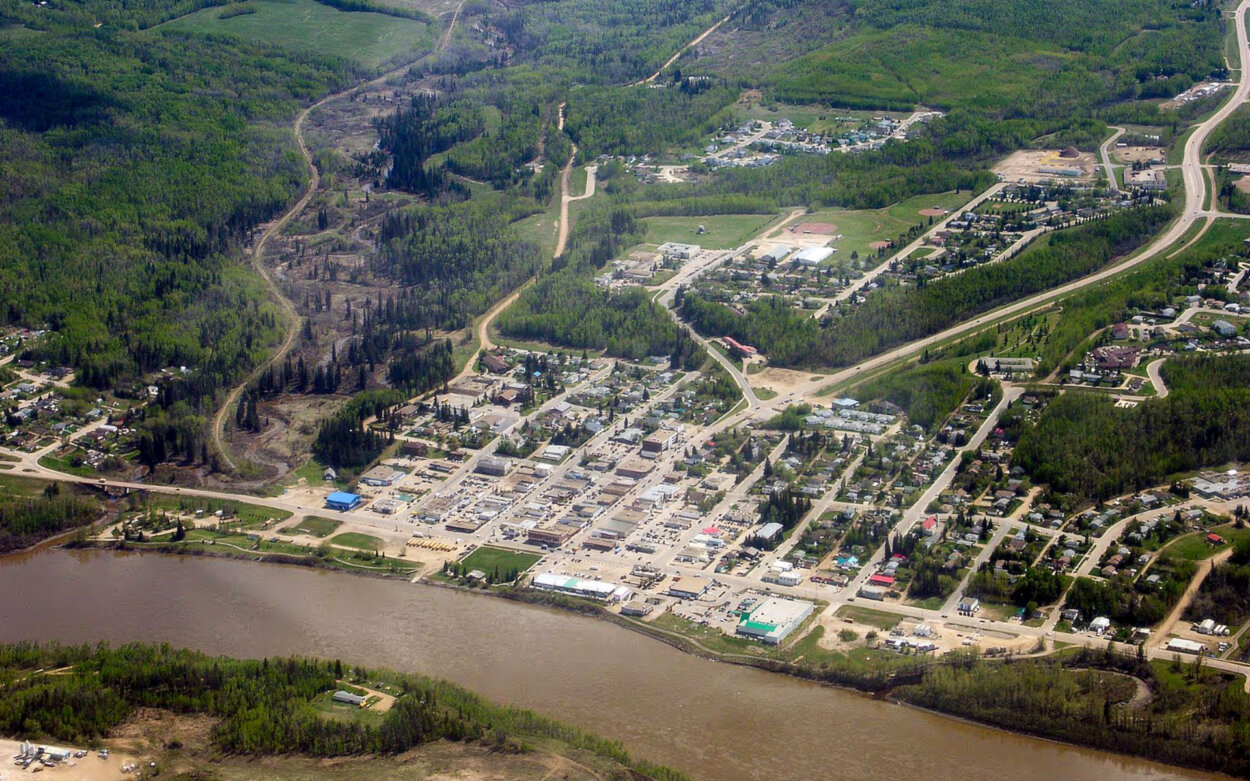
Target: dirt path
x=697 y=40
x=258 y=251
x=1204 y=568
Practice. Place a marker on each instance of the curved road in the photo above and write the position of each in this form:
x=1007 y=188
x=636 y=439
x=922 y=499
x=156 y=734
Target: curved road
x=1104 y=150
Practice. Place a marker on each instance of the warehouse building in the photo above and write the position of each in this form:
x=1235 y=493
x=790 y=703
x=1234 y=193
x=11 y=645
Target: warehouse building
x=813 y=256
x=772 y=620
x=577 y=587
x=343 y=501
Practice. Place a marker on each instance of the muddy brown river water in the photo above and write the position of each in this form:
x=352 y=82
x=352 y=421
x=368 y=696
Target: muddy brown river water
x=717 y=722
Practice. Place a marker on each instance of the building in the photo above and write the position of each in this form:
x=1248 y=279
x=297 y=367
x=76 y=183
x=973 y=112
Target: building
x=343 y=501
x=555 y=453
x=1148 y=179
x=1100 y=625
x=637 y=609
x=689 y=587
x=872 y=592
x=381 y=476
x=347 y=698
x=1183 y=646
x=494 y=364
x=969 y=605
x=772 y=620
x=813 y=256
x=591 y=589
x=1224 y=328
x=776 y=253
x=769 y=531
x=495 y=467
x=658 y=441
x=553 y=536
x=414 y=448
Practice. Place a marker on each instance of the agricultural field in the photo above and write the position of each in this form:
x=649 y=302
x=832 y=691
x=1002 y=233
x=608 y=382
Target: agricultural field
x=372 y=40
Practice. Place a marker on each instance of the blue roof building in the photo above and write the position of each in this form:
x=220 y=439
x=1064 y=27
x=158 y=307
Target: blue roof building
x=343 y=501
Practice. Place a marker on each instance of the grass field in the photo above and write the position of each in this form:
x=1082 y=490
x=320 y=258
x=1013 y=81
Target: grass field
x=859 y=229
x=487 y=559
x=866 y=615
x=356 y=540
x=724 y=231
x=1195 y=546
x=317 y=527
x=372 y=40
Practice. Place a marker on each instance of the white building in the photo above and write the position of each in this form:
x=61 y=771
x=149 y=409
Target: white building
x=772 y=620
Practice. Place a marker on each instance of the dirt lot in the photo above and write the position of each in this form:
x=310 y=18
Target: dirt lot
x=1136 y=154
x=934 y=212
x=88 y=768
x=1243 y=184
x=1025 y=164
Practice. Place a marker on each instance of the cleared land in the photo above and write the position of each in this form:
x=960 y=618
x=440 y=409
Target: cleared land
x=356 y=540
x=368 y=38
x=860 y=229
x=724 y=231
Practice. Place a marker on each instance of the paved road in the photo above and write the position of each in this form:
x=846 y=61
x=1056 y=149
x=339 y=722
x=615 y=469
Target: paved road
x=1104 y=150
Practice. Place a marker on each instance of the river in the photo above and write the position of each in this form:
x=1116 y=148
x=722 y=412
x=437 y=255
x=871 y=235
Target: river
x=717 y=722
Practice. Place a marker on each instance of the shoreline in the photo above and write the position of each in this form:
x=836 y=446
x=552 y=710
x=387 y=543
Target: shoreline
x=879 y=689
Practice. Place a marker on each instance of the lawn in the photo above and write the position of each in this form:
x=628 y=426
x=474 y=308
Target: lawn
x=317 y=527
x=356 y=540
x=488 y=559
x=370 y=39
x=723 y=231
x=247 y=514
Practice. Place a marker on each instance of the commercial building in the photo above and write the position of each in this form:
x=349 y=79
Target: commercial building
x=813 y=256
x=553 y=536
x=689 y=588
x=495 y=467
x=577 y=587
x=658 y=441
x=776 y=253
x=343 y=501
x=381 y=476
x=772 y=620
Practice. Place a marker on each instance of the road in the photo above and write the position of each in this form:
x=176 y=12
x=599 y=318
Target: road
x=1156 y=377
x=1105 y=151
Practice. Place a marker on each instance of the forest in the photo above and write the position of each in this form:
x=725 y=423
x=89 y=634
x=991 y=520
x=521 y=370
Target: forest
x=261 y=706
x=1085 y=448
x=27 y=517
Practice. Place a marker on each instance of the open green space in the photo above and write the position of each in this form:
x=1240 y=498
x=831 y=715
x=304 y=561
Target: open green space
x=356 y=540
x=317 y=527
x=1196 y=548
x=866 y=615
x=860 y=228
x=721 y=231
x=489 y=559
x=371 y=39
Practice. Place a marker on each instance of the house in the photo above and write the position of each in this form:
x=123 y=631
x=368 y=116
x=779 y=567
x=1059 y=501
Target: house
x=1224 y=328
x=347 y=698
x=329 y=474
x=930 y=526
x=1100 y=625
x=494 y=364
x=343 y=501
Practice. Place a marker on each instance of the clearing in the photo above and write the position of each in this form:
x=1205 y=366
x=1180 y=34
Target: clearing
x=370 y=39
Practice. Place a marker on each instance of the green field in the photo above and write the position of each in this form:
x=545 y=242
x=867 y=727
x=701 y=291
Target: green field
x=724 y=231
x=859 y=229
x=1195 y=546
x=317 y=527
x=370 y=39
x=487 y=559
x=866 y=615
x=356 y=540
